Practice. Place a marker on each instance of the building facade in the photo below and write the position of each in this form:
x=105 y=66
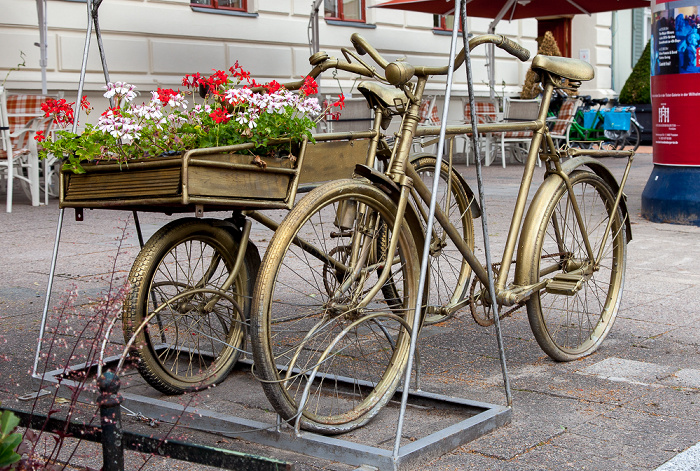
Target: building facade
x=153 y=43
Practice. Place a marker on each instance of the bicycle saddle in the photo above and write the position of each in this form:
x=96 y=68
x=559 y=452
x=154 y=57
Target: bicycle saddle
x=572 y=69
x=385 y=97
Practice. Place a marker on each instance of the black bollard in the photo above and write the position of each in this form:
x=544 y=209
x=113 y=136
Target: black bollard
x=111 y=420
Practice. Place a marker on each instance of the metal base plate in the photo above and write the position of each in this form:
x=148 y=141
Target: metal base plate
x=450 y=422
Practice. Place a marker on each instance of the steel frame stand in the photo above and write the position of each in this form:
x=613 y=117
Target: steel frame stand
x=483 y=417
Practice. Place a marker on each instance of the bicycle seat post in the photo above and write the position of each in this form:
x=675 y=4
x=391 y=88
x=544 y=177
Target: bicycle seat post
x=409 y=124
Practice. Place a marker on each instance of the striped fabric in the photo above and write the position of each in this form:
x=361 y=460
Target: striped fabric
x=485 y=112
x=565 y=116
x=515 y=134
x=433 y=119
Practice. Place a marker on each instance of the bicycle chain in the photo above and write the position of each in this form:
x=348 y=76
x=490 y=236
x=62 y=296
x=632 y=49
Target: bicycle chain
x=484 y=320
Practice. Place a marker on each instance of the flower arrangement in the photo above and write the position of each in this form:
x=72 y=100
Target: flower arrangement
x=231 y=112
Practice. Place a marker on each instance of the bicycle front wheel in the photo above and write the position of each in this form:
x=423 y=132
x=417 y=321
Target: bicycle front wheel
x=449 y=272
x=574 y=313
x=322 y=261
x=194 y=340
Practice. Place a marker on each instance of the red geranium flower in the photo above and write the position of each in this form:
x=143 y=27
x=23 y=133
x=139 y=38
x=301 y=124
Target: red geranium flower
x=219 y=116
x=310 y=86
x=164 y=95
x=272 y=87
x=341 y=102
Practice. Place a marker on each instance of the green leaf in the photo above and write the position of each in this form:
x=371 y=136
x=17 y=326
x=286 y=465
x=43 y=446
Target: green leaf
x=8 y=422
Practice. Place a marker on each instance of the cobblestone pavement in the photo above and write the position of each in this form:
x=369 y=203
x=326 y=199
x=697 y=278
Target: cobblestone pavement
x=632 y=405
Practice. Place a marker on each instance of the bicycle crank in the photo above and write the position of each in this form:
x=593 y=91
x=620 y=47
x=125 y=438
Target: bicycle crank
x=480 y=303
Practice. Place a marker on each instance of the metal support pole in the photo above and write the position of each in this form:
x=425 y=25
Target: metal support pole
x=52 y=270
x=111 y=421
x=482 y=201
x=425 y=261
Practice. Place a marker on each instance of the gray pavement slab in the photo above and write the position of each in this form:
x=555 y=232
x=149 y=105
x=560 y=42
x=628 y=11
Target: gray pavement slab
x=576 y=415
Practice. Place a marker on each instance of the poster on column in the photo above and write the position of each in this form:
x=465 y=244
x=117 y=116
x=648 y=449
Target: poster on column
x=675 y=83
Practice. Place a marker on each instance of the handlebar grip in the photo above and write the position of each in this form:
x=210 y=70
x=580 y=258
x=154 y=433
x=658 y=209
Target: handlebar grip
x=515 y=49
x=356 y=43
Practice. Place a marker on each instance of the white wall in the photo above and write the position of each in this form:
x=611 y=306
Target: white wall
x=592 y=33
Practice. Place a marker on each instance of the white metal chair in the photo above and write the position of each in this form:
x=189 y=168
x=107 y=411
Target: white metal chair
x=513 y=111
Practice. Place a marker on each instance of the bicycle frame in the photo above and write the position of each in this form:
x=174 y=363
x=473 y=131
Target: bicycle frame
x=541 y=146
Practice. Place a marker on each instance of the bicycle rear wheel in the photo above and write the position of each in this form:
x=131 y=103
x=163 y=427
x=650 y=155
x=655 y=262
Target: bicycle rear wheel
x=305 y=324
x=629 y=140
x=572 y=316
x=188 y=345
x=449 y=272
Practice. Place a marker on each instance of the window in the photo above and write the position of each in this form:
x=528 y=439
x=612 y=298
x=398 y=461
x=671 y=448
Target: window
x=238 y=5
x=444 y=22
x=345 y=10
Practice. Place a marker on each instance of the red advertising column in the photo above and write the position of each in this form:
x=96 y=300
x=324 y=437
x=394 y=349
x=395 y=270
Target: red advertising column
x=672 y=193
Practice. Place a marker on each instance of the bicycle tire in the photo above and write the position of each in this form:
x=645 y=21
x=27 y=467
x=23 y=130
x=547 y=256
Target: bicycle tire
x=187 y=347
x=449 y=272
x=570 y=326
x=297 y=319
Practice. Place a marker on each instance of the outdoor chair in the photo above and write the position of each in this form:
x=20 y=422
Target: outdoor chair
x=486 y=112
x=21 y=118
x=560 y=126
x=515 y=110
x=428 y=115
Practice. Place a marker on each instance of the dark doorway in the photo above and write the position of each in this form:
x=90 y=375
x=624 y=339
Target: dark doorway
x=561 y=30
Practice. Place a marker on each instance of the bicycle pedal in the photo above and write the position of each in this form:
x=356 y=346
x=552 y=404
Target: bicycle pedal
x=566 y=284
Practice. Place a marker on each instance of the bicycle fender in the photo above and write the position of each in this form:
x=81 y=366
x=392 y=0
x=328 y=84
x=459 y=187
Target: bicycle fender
x=603 y=172
x=475 y=208
x=385 y=184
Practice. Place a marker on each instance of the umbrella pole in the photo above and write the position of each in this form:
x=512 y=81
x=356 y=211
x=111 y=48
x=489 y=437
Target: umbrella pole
x=482 y=201
x=425 y=261
x=43 y=32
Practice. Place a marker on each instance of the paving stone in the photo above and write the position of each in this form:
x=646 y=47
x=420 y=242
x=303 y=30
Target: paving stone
x=620 y=369
x=687 y=377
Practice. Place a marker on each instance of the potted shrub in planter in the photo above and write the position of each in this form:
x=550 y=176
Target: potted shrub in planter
x=637 y=92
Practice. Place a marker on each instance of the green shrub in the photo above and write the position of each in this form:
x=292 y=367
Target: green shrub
x=637 y=88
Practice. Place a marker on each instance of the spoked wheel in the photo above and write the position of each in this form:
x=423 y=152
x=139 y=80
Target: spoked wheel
x=519 y=152
x=629 y=140
x=574 y=313
x=322 y=261
x=449 y=272
x=187 y=336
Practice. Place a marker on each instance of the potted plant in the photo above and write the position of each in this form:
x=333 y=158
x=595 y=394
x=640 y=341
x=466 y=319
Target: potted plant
x=637 y=92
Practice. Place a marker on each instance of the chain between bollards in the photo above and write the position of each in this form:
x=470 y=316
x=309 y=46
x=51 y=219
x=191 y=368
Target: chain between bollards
x=111 y=421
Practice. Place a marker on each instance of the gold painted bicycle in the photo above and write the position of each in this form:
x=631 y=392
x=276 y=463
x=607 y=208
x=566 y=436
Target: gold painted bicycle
x=336 y=294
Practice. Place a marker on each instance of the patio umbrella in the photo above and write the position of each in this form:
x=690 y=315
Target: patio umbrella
x=516 y=9
x=513 y=10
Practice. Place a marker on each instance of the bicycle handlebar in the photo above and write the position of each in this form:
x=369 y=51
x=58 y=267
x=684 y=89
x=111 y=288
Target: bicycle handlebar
x=400 y=72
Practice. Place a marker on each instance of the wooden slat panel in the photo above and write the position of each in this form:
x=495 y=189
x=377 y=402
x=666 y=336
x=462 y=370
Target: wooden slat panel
x=124 y=184
x=332 y=160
